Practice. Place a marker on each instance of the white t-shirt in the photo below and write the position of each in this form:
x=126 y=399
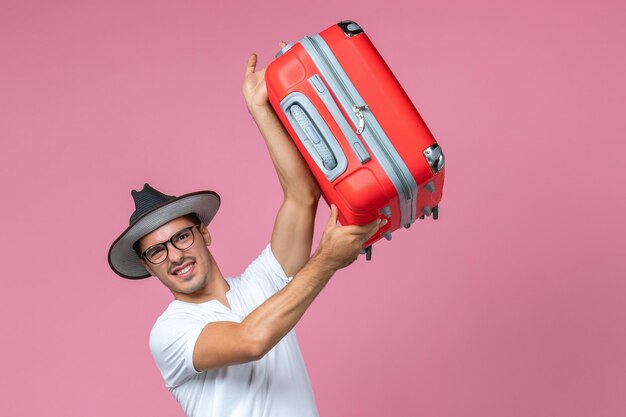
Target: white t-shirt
x=277 y=385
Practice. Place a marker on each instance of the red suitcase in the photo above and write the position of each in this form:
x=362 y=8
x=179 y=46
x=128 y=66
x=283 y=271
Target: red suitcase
x=361 y=136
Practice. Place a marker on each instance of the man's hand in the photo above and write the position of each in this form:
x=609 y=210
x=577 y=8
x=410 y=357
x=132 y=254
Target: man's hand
x=254 y=88
x=340 y=245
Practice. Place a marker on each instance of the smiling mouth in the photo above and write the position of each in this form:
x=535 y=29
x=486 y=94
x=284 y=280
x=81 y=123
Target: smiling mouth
x=184 y=270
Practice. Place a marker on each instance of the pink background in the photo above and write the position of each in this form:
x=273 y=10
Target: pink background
x=512 y=304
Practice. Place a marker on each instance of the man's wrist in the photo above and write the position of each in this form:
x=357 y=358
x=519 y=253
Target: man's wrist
x=323 y=264
x=263 y=111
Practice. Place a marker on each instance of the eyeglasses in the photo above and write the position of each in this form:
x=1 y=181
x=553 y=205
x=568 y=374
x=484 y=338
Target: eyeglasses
x=181 y=240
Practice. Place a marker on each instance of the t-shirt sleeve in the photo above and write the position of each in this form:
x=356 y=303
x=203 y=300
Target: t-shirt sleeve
x=266 y=271
x=172 y=341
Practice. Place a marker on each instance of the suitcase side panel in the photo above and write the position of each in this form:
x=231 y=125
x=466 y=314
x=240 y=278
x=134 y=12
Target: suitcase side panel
x=360 y=116
x=390 y=105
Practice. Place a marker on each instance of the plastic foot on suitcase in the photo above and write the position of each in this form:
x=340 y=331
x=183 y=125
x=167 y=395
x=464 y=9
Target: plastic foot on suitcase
x=368 y=253
x=436 y=212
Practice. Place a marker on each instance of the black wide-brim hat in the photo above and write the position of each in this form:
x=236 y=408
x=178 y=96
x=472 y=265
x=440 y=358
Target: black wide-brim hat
x=152 y=210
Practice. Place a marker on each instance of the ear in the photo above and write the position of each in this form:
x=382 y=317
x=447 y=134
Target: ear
x=205 y=234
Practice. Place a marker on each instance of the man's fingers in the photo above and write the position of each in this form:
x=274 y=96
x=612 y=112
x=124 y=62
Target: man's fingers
x=251 y=65
x=374 y=226
x=366 y=229
x=282 y=44
x=332 y=220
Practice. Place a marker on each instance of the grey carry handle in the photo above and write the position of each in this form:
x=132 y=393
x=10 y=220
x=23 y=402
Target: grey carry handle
x=315 y=135
x=319 y=144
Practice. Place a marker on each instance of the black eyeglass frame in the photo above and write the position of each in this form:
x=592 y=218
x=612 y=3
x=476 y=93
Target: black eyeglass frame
x=170 y=240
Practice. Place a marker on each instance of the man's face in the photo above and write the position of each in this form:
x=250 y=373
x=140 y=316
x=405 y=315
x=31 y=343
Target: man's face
x=184 y=272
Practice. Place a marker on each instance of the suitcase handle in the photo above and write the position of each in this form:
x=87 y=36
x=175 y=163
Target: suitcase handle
x=319 y=143
x=315 y=135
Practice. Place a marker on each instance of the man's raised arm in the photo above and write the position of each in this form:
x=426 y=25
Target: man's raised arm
x=293 y=229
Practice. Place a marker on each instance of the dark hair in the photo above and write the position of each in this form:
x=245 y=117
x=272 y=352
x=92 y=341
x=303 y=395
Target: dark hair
x=192 y=217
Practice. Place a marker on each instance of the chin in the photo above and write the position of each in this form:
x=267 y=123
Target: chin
x=194 y=285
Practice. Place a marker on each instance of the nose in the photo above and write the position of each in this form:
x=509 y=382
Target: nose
x=173 y=253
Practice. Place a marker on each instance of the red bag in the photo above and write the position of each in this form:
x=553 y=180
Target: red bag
x=356 y=128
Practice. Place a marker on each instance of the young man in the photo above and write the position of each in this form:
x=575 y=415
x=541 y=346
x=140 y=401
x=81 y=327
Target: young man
x=225 y=346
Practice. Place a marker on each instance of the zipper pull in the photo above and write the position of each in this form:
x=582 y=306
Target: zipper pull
x=358 y=112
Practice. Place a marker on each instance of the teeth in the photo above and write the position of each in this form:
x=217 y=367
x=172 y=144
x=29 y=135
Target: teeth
x=184 y=270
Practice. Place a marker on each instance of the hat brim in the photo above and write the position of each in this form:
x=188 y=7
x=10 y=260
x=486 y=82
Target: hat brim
x=122 y=257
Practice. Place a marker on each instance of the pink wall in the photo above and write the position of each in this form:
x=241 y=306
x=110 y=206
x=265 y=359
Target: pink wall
x=512 y=304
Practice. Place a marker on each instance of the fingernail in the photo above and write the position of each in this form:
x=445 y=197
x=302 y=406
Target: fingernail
x=384 y=222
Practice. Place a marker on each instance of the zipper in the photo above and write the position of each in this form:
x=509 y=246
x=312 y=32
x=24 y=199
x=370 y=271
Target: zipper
x=358 y=111
x=362 y=117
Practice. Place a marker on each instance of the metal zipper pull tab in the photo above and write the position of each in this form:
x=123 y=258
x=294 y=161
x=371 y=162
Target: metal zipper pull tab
x=358 y=111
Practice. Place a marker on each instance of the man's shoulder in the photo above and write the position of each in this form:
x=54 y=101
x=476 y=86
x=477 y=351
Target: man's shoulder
x=265 y=265
x=178 y=313
x=178 y=320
